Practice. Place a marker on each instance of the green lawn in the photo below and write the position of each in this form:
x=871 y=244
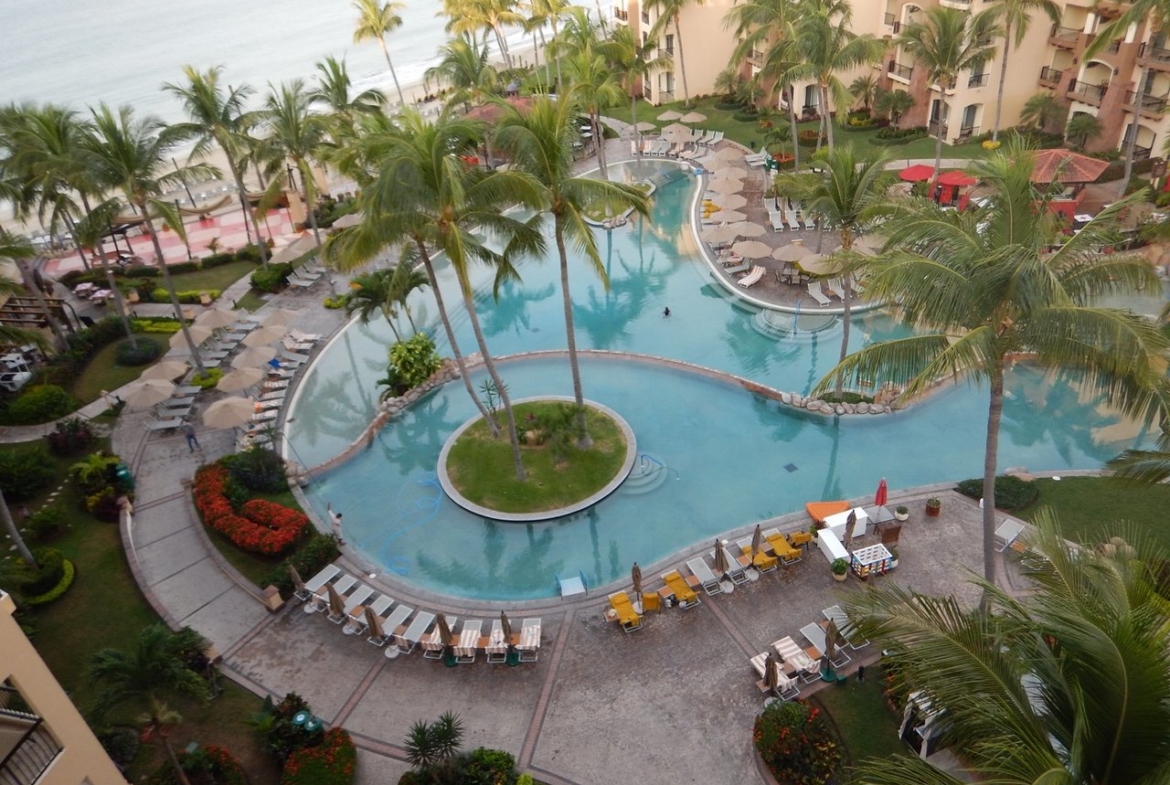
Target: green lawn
x=1088 y=507
x=214 y=278
x=103 y=373
x=866 y=725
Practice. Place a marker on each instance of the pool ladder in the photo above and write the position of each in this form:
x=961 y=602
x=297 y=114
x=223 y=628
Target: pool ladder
x=648 y=474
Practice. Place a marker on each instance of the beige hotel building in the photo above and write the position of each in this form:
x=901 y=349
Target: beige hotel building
x=1128 y=80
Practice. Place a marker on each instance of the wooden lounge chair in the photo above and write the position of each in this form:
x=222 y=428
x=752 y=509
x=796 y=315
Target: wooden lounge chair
x=798 y=659
x=764 y=562
x=620 y=602
x=681 y=589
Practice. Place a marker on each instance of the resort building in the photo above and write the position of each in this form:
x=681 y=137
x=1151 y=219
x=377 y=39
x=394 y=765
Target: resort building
x=43 y=738
x=1126 y=85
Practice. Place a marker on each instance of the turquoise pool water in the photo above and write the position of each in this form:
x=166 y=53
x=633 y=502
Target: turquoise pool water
x=731 y=457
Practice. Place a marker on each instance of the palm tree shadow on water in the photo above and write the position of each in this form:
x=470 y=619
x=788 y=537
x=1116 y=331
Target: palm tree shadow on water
x=508 y=312
x=526 y=570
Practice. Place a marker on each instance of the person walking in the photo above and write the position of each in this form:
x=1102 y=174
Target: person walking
x=189 y=432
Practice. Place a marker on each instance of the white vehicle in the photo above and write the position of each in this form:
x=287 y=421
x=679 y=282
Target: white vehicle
x=14 y=380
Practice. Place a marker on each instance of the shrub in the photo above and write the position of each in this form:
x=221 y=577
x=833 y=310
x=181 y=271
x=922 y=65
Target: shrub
x=808 y=138
x=261 y=527
x=257 y=469
x=45 y=524
x=271 y=279
x=797 y=743
x=155 y=324
x=1011 y=493
x=46 y=575
x=120 y=743
x=71 y=437
x=412 y=362
x=135 y=353
x=41 y=404
x=309 y=559
x=24 y=474
x=208 y=379
x=64 y=582
x=489 y=767
x=332 y=762
x=278 y=734
x=746 y=114
x=210 y=765
x=187 y=298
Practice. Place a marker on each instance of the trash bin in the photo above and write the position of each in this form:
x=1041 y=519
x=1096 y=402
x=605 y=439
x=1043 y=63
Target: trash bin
x=123 y=475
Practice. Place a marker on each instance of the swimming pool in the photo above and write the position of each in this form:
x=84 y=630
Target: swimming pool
x=730 y=457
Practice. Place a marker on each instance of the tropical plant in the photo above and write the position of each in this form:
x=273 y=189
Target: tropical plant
x=999 y=281
x=946 y=42
x=633 y=63
x=865 y=89
x=370 y=292
x=475 y=16
x=893 y=104
x=1042 y=111
x=539 y=142
x=431 y=746
x=548 y=12
x=297 y=133
x=1015 y=17
x=333 y=92
x=595 y=86
x=464 y=67
x=376 y=20
x=670 y=12
x=1082 y=127
x=1067 y=682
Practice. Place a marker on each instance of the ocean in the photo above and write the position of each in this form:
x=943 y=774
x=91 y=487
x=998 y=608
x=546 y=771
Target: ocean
x=80 y=53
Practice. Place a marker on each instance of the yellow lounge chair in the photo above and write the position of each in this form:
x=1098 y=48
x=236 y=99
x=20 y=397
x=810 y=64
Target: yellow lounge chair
x=764 y=562
x=800 y=538
x=783 y=549
x=627 y=616
x=682 y=591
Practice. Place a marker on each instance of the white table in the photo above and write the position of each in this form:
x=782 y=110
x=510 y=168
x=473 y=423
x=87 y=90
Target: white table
x=836 y=522
x=830 y=546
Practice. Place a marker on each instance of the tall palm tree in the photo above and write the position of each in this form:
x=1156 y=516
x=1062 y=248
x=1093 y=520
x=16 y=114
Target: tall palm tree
x=145 y=676
x=218 y=116
x=946 y=42
x=298 y=134
x=595 y=86
x=406 y=279
x=369 y=293
x=333 y=93
x=1066 y=682
x=133 y=156
x=539 y=142
x=1015 y=17
x=475 y=16
x=425 y=194
x=849 y=196
x=375 y=20
x=465 y=67
x=670 y=12
x=865 y=89
x=551 y=11
x=634 y=63
x=1001 y=281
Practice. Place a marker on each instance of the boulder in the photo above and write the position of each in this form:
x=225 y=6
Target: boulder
x=786 y=397
x=862 y=408
x=827 y=408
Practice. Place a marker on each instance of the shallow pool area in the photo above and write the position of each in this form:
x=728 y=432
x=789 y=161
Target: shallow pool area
x=713 y=456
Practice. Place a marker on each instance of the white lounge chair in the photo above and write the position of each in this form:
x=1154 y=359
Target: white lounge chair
x=792 y=654
x=777 y=221
x=809 y=221
x=836 y=288
x=432 y=642
x=852 y=636
x=787 y=687
x=318 y=581
x=297 y=335
x=468 y=645
x=343 y=584
x=529 y=646
x=735 y=570
x=168 y=424
x=793 y=223
x=1007 y=533
x=752 y=278
x=497 y=647
x=814 y=291
x=707 y=579
x=391 y=623
x=414 y=633
x=353 y=602
x=815 y=634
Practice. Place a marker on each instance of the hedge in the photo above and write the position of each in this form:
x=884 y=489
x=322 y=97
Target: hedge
x=332 y=762
x=261 y=527
x=1011 y=493
x=187 y=298
x=68 y=571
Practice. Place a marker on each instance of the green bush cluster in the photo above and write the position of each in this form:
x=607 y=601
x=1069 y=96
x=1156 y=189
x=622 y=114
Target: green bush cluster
x=68 y=571
x=45 y=576
x=279 y=737
x=163 y=325
x=64 y=368
x=44 y=403
x=412 y=362
x=45 y=524
x=1011 y=493
x=892 y=135
x=208 y=379
x=272 y=279
x=186 y=298
x=71 y=437
x=257 y=469
x=136 y=353
x=310 y=558
x=26 y=473
x=120 y=743
x=249 y=253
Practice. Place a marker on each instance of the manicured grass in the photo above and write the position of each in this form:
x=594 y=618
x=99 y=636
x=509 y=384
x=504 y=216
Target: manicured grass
x=103 y=373
x=1088 y=508
x=251 y=301
x=213 y=278
x=483 y=470
x=866 y=725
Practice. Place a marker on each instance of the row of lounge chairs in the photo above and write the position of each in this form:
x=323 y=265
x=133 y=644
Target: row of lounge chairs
x=836 y=288
x=384 y=622
x=307 y=274
x=804 y=664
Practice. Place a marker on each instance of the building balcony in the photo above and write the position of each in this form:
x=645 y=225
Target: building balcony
x=621 y=14
x=900 y=72
x=645 y=17
x=27 y=749
x=890 y=20
x=979 y=80
x=665 y=96
x=1064 y=37
x=962 y=5
x=1151 y=105
x=1050 y=77
x=938 y=129
x=1152 y=56
x=665 y=52
x=1087 y=93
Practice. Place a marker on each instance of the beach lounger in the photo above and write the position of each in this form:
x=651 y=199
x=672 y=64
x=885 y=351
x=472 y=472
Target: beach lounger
x=275 y=395
x=381 y=605
x=391 y=623
x=836 y=288
x=629 y=619
x=432 y=642
x=529 y=646
x=799 y=659
x=857 y=288
x=852 y=636
x=735 y=568
x=764 y=561
x=320 y=600
x=707 y=578
x=168 y=424
x=814 y=291
x=810 y=222
x=288 y=343
x=496 y=647
x=354 y=601
x=297 y=335
x=278 y=384
x=793 y=223
x=815 y=634
x=186 y=390
x=467 y=646
x=327 y=573
x=301 y=282
x=681 y=589
x=414 y=633
x=292 y=359
x=739 y=268
x=265 y=416
x=787 y=687
x=777 y=221
x=752 y=278
x=1007 y=533
x=782 y=547
x=208 y=356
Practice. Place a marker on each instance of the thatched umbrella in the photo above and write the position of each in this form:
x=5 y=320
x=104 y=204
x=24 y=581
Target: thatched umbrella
x=669 y=115
x=145 y=393
x=729 y=201
x=265 y=334
x=198 y=334
x=752 y=249
x=298 y=583
x=166 y=369
x=240 y=379
x=850 y=522
x=726 y=185
x=832 y=640
x=445 y=636
x=720 y=234
x=747 y=229
x=693 y=117
x=506 y=627
x=229 y=413
x=216 y=318
x=727 y=216
x=281 y=316
x=720 y=559
x=791 y=253
x=254 y=357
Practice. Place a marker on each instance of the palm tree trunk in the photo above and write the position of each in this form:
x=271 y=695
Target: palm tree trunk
x=795 y=130
x=682 y=63
x=547 y=67
x=846 y=307
x=310 y=194
x=179 y=773
x=393 y=329
x=170 y=284
x=554 y=35
x=248 y=214
x=938 y=148
x=583 y=439
x=73 y=233
x=828 y=114
x=394 y=76
x=1007 y=43
x=502 y=43
x=599 y=140
x=14 y=533
x=119 y=303
x=31 y=283
x=459 y=361
x=634 y=118
x=1131 y=143
x=990 y=455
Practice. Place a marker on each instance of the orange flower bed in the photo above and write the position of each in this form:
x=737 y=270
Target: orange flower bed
x=261 y=527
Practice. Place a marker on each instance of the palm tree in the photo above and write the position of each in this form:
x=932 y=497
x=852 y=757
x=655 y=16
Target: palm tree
x=333 y=92
x=406 y=279
x=595 y=87
x=946 y=42
x=144 y=676
x=298 y=134
x=633 y=63
x=431 y=746
x=1067 y=682
x=464 y=66
x=670 y=11
x=893 y=104
x=1000 y=281
x=133 y=156
x=551 y=12
x=424 y=194
x=1016 y=16
x=370 y=292
x=216 y=116
x=865 y=89
x=375 y=20
x=473 y=16
x=824 y=46
x=1043 y=111
x=539 y=142
x=849 y=196
x=1082 y=127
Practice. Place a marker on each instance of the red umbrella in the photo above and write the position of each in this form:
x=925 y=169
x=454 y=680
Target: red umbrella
x=957 y=178
x=919 y=173
x=879 y=498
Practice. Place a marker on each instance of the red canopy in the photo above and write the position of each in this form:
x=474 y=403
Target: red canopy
x=956 y=177
x=919 y=173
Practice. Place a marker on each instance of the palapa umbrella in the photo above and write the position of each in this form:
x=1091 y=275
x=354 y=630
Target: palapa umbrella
x=228 y=413
x=636 y=579
x=883 y=492
x=818 y=264
x=336 y=607
x=771 y=672
x=198 y=334
x=254 y=357
x=730 y=201
x=751 y=249
x=215 y=318
x=506 y=628
x=720 y=234
x=147 y=392
x=832 y=640
x=346 y=221
x=643 y=127
x=294 y=250
x=281 y=316
x=720 y=565
x=850 y=522
x=166 y=369
x=727 y=154
x=669 y=115
x=727 y=216
x=867 y=242
x=791 y=253
x=298 y=582
x=728 y=173
x=374 y=624
x=757 y=540
x=693 y=117
x=747 y=229
x=265 y=334
x=240 y=379
x=726 y=185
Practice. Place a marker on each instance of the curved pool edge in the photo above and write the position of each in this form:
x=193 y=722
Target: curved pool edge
x=534 y=517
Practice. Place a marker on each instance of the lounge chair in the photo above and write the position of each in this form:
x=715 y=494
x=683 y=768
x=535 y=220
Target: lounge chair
x=297 y=335
x=293 y=346
x=468 y=644
x=777 y=221
x=799 y=659
x=318 y=581
x=186 y=390
x=275 y=395
x=800 y=538
x=753 y=277
x=496 y=647
x=782 y=548
x=301 y=282
x=852 y=636
x=293 y=359
x=620 y=602
x=764 y=562
x=529 y=646
x=391 y=623
x=735 y=568
x=718 y=137
x=787 y=687
x=681 y=589
x=857 y=287
x=791 y=220
x=352 y=603
x=264 y=416
x=815 y=634
x=213 y=355
x=739 y=268
x=707 y=578
x=168 y=424
x=432 y=642
x=1007 y=533
x=814 y=291
x=836 y=288
x=414 y=633
x=809 y=221
x=320 y=600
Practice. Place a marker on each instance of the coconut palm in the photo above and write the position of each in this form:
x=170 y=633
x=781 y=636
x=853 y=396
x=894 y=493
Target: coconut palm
x=670 y=12
x=475 y=16
x=551 y=11
x=1015 y=17
x=849 y=196
x=370 y=293
x=464 y=66
x=946 y=42
x=893 y=104
x=426 y=195
x=1066 y=682
x=1082 y=127
x=145 y=676
x=1043 y=110
x=539 y=142
x=333 y=92
x=1000 y=281
x=298 y=134
x=633 y=63
x=595 y=86
x=375 y=20
x=406 y=279
x=540 y=14
x=865 y=89
x=134 y=157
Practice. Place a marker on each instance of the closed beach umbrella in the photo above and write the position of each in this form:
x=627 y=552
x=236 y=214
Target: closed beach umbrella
x=771 y=672
x=669 y=115
x=850 y=522
x=216 y=318
x=882 y=496
x=147 y=392
x=727 y=216
x=265 y=334
x=240 y=379
x=752 y=249
x=791 y=253
x=757 y=539
x=374 y=624
x=228 y=413
x=281 y=316
x=832 y=640
x=254 y=357
x=726 y=185
x=198 y=333
x=296 y=578
x=720 y=565
x=336 y=607
x=166 y=369
x=445 y=637
x=636 y=579
x=693 y=117
x=732 y=201
x=506 y=627
x=747 y=229
x=294 y=250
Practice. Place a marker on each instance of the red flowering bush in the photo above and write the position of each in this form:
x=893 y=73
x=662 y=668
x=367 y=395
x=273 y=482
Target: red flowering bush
x=332 y=762
x=797 y=743
x=209 y=765
x=260 y=527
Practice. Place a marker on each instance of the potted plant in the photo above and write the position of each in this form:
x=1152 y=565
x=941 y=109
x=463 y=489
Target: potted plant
x=893 y=558
x=933 y=506
x=840 y=569
x=901 y=512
